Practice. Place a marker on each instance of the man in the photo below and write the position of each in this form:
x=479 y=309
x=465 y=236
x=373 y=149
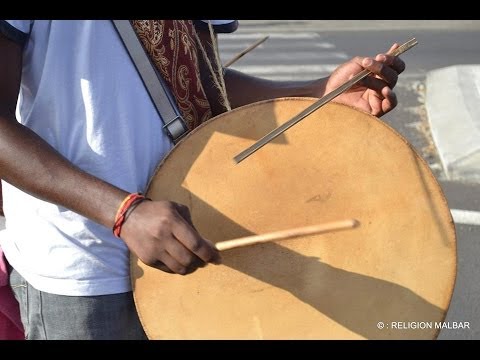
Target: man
x=85 y=135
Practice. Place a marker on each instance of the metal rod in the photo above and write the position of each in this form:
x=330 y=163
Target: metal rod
x=246 y=51
x=315 y=106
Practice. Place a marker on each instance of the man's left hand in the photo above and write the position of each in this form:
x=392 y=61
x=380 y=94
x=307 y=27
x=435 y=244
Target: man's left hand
x=374 y=93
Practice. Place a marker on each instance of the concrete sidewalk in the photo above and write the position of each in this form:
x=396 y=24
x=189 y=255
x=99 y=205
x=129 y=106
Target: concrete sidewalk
x=453 y=107
x=452 y=103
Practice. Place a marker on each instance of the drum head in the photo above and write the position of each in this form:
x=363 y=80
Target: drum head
x=392 y=277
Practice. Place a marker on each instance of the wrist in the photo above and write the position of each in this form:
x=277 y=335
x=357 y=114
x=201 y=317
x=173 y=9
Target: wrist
x=129 y=203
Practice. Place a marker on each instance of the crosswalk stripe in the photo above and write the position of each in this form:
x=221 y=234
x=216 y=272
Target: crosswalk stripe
x=253 y=36
x=467 y=217
x=277 y=45
x=285 y=69
x=292 y=55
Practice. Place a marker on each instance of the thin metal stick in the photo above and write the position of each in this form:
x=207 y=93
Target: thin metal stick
x=287 y=234
x=246 y=51
x=315 y=106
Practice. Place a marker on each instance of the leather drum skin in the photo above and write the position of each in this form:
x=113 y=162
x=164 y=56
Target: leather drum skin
x=390 y=278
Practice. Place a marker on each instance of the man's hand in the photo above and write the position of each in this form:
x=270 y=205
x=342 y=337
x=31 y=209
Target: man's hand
x=374 y=93
x=162 y=235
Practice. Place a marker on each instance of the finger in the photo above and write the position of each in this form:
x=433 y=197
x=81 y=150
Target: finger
x=375 y=101
x=169 y=264
x=184 y=211
x=397 y=64
x=383 y=71
x=394 y=62
x=374 y=83
x=192 y=240
x=382 y=102
x=390 y=99
x=183 y=255
x=161 y=266
x=393 y=47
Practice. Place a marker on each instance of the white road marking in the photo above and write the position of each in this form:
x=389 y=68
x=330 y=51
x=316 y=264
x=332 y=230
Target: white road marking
x=277 y=45
x=256 y=36
x=467 y=217
x=293 y=55
x=285 y=69
x=306 y=72
x=294 y=77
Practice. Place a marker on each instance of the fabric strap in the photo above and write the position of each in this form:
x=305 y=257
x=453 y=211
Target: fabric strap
x=174 y=125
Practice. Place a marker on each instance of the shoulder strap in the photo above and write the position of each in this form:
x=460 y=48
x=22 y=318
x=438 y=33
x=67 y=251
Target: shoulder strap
x=174 y=124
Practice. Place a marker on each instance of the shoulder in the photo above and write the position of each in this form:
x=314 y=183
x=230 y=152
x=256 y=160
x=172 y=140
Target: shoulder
x=220 y=26
x=16 y=30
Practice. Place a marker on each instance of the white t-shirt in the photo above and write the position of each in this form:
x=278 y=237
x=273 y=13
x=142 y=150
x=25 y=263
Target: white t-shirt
x=81 y=93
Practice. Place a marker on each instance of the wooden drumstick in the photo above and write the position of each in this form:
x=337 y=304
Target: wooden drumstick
x=287 y=234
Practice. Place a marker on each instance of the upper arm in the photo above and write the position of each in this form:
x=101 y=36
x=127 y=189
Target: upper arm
x=10 y=71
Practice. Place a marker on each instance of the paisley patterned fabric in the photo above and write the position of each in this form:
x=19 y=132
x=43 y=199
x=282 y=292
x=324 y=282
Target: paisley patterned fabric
x=172 y=46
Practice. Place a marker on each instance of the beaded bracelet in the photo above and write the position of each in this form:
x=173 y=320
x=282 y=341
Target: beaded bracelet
x=130 y=201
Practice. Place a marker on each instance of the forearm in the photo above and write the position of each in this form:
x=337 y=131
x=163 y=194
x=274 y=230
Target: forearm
x=32 y=165
x=244 y=89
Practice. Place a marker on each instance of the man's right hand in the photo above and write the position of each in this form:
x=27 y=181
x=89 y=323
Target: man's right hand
x=162 y=235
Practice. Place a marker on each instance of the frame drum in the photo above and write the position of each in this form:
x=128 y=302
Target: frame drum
x=390 y=278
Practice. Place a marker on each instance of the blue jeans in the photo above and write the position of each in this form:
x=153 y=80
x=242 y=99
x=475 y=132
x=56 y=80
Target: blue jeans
x=48 y=316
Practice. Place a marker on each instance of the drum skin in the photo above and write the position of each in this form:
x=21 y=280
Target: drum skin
x=390 y=278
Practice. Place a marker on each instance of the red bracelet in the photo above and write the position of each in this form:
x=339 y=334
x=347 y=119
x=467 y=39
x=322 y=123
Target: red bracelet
x=128 y=203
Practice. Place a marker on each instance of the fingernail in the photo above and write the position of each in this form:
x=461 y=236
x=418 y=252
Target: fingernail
x=367 y=62
x=381 y=57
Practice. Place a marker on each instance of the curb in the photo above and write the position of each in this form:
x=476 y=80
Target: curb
x=452 y=102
